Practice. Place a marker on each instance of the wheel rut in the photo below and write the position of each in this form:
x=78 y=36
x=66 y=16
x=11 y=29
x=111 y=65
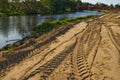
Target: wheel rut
x=88 y=51
x=46 y=70
x=112 y=37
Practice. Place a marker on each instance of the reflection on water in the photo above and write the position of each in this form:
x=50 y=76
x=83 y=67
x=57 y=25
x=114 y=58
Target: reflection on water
x=17 y=27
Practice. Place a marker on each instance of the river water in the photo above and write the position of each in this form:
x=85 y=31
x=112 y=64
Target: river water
x=18 y=27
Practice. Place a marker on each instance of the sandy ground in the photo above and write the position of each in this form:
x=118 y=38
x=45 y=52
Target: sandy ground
x=88 y=51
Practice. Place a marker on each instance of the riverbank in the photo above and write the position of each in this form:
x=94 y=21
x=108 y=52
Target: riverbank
x=46 y=27
x=23 y=14
x=42 y=35
x=82 y=50
x=15 y=28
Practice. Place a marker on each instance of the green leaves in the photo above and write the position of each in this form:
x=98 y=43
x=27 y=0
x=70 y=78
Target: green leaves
x=43 y=7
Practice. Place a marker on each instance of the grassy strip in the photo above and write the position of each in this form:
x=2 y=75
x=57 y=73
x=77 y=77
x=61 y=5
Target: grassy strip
x=48 y=26
x=11 y=14
x=2 y=15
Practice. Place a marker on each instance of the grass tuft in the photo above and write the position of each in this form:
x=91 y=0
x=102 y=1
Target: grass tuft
x=48 y=26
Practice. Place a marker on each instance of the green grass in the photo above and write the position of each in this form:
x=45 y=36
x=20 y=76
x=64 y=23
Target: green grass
x=8 y=50
x=2 y=15
x=48 y=26
x=15 y=14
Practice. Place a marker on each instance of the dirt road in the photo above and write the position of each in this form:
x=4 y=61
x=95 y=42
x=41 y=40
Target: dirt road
x=90 y=50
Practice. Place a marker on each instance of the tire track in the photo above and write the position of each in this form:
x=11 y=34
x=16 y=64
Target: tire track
x=46 y=70
x=112 y=37
x=49 y=52
x=80 y=65
x=86 y=42
x=35 y=72
x=82 y=55
x=28 y=47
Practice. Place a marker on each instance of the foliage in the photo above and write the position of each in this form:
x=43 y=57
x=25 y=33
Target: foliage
x=44 y=7
x=101 y=4
x=9 y=48
x=117 y=6
x=2 y=14
x=48 y=26
x=37 y=7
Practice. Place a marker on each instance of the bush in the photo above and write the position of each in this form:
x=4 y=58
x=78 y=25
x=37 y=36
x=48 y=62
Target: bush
x=15 y=14
x=2 y=15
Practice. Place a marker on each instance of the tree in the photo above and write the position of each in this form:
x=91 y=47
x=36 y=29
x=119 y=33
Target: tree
x=117 y=6
x=70 y=5
x=111 y=6
x=49 y=5
x=78 y=2
x=4 y=6
x=41 y=7
x=101 y=4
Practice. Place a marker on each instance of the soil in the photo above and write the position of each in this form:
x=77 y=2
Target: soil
x=86 y=50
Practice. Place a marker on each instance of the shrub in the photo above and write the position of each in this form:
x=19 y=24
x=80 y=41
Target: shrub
x=2 y=15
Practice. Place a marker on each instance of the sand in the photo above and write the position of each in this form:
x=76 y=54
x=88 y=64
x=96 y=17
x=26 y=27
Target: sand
x=90 y=50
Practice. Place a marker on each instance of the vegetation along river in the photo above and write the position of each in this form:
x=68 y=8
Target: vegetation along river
x=14 y=28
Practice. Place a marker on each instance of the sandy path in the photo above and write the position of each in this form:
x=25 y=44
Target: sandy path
x=88 y=51
x=64 y=41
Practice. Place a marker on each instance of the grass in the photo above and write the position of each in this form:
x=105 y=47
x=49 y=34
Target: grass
x=9 y=49
x=48 y=26
x=11 y=14
x=2 y=15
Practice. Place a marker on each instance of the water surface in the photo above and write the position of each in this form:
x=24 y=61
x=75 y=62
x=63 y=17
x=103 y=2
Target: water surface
x=18 y=27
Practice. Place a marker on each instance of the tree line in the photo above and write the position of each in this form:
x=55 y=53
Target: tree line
x=43 y=7
x=37 y=7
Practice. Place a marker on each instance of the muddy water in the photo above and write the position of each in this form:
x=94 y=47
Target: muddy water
x=14 y=28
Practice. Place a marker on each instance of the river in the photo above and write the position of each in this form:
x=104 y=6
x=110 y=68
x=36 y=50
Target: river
x=18 y=27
